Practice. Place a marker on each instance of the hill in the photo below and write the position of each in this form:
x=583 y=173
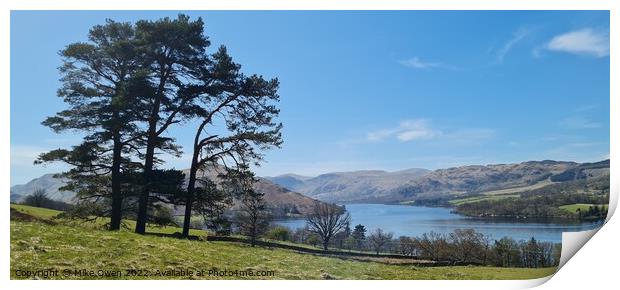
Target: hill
x=290 y=181
x=280 y=199
x=374 y=186
x=349 y=186
x=48 y=182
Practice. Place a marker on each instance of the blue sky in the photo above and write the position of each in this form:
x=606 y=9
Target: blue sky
x=370 y=90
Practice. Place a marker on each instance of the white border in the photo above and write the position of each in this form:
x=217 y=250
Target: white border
x=572 y=275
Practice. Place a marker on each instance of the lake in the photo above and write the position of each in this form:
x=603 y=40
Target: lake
x=413 y=221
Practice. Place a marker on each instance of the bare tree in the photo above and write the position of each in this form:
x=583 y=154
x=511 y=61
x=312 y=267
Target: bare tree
x=327 y=220
x=468 y=246
x=432 y=245
x=252 y=217
x=407 y=246
x=378 y=239
x=38 y=198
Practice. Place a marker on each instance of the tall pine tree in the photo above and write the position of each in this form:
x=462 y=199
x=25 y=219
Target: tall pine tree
x=102 y=82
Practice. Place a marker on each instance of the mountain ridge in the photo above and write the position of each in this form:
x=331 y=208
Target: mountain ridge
x=378 y=186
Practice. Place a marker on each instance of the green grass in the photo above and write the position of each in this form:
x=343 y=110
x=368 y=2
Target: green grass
x=537 y=185
x=578 y=206
x=36 y=211
x=98 y=223
x=39 y=246
x=461 y=201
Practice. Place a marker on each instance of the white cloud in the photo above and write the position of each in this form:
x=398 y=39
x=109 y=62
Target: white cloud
x=417 y=63
x=22 y=167
x=421 y=129
x=25 y=154
x=585 y=41
x=472 y=135
x=579 y=151
x=416 y=129
x=578 y=122
x=516 y=38
x=407 y=130
x=380 y=135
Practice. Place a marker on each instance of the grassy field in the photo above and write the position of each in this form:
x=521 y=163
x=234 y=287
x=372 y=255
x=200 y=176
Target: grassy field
x=66 y=247
x=461 y=201
x=36 y=211
x=45 y=213
x=578 y=206
x=537 y=185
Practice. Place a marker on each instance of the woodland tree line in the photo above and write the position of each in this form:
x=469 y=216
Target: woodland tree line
x=462 y=246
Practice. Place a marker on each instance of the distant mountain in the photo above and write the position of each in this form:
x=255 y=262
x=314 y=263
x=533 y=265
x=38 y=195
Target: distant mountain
x=282 y=200
x=288 y=180
x=478 y=178
x=408 y=185
x=349 y=186
x=291 y=193
x=46 y=182
x=583 y=171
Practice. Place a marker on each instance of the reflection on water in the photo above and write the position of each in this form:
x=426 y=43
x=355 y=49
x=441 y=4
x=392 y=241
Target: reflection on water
x=413 y=221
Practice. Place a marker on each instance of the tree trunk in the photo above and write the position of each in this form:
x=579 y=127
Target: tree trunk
x=146 y=190
x=143 y=201
x=325 y=244
x=117 y=196
x=191 y=186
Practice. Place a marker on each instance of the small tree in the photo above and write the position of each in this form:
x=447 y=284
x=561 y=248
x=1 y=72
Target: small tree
x=359 y=236
x=162 y=217
x=468 y=246
x=326 y=220
x=38 y=198
x=252 y=218
x=279 y=233
x=433 y=245
x=378 y=239
x=530 y=253
x=406 y=246
x=507 y=252
x=212 y=202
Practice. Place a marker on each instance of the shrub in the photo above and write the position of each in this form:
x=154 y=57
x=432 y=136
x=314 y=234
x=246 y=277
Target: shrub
x=279 y=233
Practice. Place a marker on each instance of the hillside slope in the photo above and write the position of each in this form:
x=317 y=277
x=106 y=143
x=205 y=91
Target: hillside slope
x=36 y=245
x=48 y=182
x=349 y=186
x=409 y=185
x=277 y=197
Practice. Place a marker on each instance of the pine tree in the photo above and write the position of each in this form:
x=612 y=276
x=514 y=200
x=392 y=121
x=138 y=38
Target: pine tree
x=102 y=81
x=245 y=105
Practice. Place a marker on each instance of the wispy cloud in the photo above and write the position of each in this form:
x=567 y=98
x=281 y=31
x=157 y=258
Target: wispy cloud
x=470 y=135
x=22 y=168
x=579 y=122
x=25 y=154
x=417 y=63
x=586 y=108
x=421 y=129
x=579 y=151
x=501 y=53
x=407 y=130
x=586 y=41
